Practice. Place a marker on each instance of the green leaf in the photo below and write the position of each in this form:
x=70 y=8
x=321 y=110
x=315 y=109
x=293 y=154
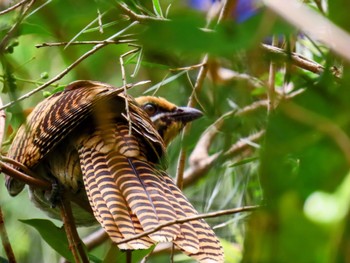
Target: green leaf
x=53 y=235
x=166 y=81
x=244 y=161
x=157 y=8
x=115 y=255
x=186 y=33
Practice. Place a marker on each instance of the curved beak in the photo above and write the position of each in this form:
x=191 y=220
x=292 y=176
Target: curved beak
x=186 y=114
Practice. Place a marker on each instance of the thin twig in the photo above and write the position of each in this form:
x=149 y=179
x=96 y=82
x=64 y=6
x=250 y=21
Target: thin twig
x=74 y=241
x=242 y=144
x=192 y=218
x=105 y=42
x=138 y=17
x=200 y=162
x=3 y=232
x=95 y=239
x=309 y=21
x=225 y=11
x=13 y=7
x=6 y=39
x=199 y=167
x=35 y=182
x=297 y=60
x=5 y=240
x=69 y=68
x=17 y=164
x=121 y=60
x=271 y=92
x=191 y=101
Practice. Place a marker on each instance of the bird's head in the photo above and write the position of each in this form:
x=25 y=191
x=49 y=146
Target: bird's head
x=168 y=118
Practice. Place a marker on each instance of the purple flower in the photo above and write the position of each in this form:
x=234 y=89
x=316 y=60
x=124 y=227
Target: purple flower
x=244 y=9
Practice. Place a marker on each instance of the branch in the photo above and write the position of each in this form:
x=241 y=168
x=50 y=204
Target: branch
x=309 y=21
x=105 y=42
x=298 y=60
x=70 y=228
x=69 y=68
x=192 y=218
x=200 y=162
x=3 y=232
x=95 y=239
x=32 y=181
x=4 y=42
x=191 y=101
x=138 y=17
x=13 y=7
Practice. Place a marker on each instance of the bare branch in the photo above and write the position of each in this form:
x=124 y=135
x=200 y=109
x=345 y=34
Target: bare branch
x=191 y=218
x=271 y=92
x=3 y=232
x=309 y=21
x=4 y=42
x=11 y=8
x=69 y=68
x=104 y=42
x=138 y=17
x=70 y=228
x=35 y=182
x=298 y=60
x=95 y=239
x=17 y=164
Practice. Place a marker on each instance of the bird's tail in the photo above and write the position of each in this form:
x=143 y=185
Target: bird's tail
x=129 y=196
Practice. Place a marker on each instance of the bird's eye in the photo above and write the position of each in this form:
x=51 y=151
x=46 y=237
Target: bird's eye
x=150 y=108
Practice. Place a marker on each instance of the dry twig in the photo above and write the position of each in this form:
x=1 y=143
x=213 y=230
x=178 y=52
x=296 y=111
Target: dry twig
x=297 y=60
x=191 y=218
x=11 y=8
x=104 y=42
x=69 y=68
x=70 y=228
x=138 y=17
x=3 y=233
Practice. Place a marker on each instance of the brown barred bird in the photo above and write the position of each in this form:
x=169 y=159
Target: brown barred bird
x=110 y=160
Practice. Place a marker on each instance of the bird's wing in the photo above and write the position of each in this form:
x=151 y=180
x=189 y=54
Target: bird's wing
x=55 y=117
x=129 y=195
x=124 y=190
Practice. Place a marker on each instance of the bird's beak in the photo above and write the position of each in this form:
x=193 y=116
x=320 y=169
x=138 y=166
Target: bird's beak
x=185 y=114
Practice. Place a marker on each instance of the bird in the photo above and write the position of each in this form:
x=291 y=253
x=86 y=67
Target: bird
x=108 y=151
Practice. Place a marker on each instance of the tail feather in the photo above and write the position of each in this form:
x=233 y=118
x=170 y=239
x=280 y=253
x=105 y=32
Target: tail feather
x=130 y=195
x=140 y=187
x=187 y=240
x=210 y=249
x=107 y=203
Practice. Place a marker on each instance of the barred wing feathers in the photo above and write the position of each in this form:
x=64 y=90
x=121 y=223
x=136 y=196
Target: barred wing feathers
x=52 y=120
x=129 y=195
